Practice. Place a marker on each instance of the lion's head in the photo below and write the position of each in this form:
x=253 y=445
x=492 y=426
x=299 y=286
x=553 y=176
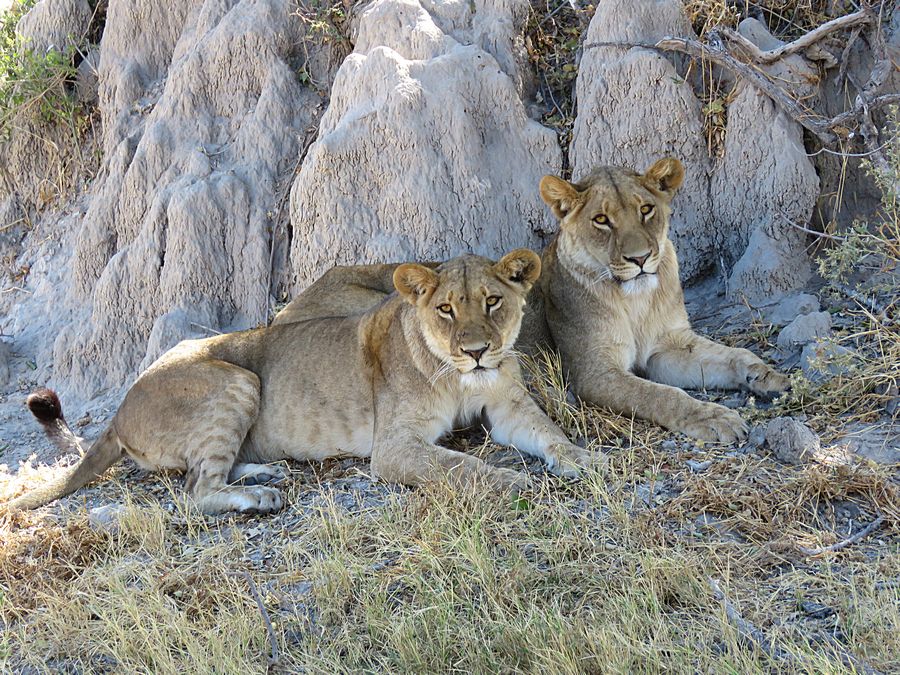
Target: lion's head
x=470 y=308
x=613 y=224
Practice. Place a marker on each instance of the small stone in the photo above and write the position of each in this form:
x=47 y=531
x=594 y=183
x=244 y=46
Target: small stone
x=4 y=363
x=791 y=441
x=757 y=437
x=815 y=610
x=822 y=360
x=669 y=445
x=792 y=307
x=803 y=329
x=878 y=443
x=106 y=517
x=892 y=406
x=698 y=467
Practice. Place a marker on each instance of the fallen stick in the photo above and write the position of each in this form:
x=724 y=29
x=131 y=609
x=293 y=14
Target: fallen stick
x=862 y=534
x=852 y=115
x=275 y=656
x=860 y=18
x=746 y=629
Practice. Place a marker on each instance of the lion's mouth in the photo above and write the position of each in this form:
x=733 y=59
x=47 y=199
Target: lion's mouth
x=639 y=275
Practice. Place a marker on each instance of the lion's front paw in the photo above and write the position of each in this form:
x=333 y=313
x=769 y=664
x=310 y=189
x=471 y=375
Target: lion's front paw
x=568 y=460
x=509 y=480
x=715 y=423
x=765 y=381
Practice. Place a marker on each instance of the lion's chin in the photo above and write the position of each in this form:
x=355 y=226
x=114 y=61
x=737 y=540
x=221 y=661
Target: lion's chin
x=642 y=283
x=479 y=378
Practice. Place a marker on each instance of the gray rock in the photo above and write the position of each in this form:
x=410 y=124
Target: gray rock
x=892 y=406
x=106 y=517
x=880 y=444
x=87 y=80
x=698 y=467
x=791 y=307
x=757 y=437
x=55 y=24
x=803 y=329
x=791 y=441
x=822 y=360
x=4 y=363
x=426 y=145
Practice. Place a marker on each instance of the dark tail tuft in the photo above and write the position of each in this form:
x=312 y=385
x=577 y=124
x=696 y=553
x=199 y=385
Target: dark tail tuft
x=45 y=406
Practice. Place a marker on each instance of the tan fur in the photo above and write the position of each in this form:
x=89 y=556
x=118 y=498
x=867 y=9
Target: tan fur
x=385 y=384
x=624 y=337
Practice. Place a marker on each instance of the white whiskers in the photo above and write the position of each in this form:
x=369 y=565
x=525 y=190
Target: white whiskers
x=443 y=371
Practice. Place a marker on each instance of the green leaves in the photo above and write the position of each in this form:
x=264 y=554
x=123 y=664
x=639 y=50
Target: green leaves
x=31 y=81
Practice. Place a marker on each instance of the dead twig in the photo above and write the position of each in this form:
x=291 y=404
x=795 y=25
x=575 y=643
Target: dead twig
x=862 y=534
x=845 y=55
x=815 y=233
x=852 y=115
x=275 y=655
x=747 y=630
x=860 y=18
x=211 y=331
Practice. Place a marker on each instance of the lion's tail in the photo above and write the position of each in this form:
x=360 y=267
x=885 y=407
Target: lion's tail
x=102 y=454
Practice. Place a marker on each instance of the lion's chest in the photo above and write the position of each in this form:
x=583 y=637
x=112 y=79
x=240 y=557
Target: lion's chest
x=634 y=328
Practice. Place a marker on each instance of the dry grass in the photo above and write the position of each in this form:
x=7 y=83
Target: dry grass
x=607 y=574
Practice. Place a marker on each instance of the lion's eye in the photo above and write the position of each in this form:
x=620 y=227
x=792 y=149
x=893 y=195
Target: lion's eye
x=446 y=308
x=601 y=219
x=493 y=301
x=647 y=209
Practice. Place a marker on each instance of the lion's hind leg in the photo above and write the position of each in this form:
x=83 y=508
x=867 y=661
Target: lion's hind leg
x=214 y=444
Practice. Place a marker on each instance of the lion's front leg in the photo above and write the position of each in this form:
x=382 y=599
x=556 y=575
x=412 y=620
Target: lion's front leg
x=409 y=459
x=519 y=421
x=626 y=393
x=686 y=359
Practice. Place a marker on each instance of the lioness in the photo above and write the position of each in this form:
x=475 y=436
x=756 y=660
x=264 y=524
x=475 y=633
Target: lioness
x=385 y=384
x=610 y=301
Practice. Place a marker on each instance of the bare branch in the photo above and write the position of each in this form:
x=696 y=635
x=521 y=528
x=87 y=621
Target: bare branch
x=860 y=18
x=816 y=233
x=275 y=656
x=862 y=534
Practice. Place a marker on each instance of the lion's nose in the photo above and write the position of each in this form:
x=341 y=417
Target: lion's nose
x=475 y=352
x=638 y=260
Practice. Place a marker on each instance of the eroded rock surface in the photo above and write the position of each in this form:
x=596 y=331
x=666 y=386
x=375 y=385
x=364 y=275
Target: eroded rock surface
x=202 y=116
x=425 y=151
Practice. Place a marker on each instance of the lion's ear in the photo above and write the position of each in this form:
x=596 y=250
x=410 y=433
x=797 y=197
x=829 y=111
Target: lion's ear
x=560 y=195
x=413 y=281
x=665 y=176
x=521 y=267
